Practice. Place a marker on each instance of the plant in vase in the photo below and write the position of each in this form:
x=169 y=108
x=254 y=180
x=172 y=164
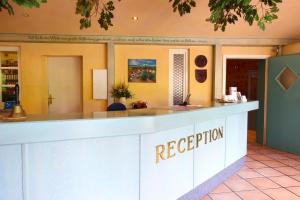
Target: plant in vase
x=121 y=92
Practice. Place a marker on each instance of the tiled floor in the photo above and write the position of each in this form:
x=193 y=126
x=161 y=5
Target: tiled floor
x=268 y=174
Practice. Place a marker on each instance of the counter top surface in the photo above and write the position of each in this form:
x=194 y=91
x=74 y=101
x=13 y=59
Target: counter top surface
x=46 y=128
x=150 y=112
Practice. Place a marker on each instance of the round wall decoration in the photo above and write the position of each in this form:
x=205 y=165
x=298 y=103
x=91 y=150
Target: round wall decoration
x=201 y=61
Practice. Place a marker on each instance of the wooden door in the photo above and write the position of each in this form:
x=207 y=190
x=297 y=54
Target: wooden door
x=65 y=84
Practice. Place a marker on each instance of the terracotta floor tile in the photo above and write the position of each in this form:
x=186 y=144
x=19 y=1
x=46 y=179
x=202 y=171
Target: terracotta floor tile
x=239 y=185
x=273 y=163
x=225 y=196
x=206 y=198
x=221 y=189
x=290 y=171
x=267 y=151
x=278 y=156
x=248 y=173
x=290 y=162
x=297 y=177
x=244 y=167
x=263 y=183
x=294 y=156
x=295 y=190
x=248 y=159
x=255 y=165
x=285 y=181
x=281 y=194
x=268 y=172
x=234 y=177
x=259 y=157
x=249 y=152
x=251 y=195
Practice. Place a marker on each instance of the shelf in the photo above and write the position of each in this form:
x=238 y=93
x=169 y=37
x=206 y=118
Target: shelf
x=7 y=85
x=12 y=67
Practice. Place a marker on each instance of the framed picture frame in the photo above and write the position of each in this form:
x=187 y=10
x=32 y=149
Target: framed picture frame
x=142 y=70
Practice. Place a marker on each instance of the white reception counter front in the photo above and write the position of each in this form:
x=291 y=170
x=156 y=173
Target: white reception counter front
x=161 y=154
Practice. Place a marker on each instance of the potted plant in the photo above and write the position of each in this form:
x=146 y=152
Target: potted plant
x=121 y=92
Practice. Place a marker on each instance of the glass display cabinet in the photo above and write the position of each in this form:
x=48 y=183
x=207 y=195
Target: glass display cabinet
x=9 y=73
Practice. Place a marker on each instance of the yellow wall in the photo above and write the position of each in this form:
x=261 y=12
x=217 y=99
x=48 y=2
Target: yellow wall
x=33 y=68
x=34 y=83
x=157 y=94
x=291 y=49
x=253 y=50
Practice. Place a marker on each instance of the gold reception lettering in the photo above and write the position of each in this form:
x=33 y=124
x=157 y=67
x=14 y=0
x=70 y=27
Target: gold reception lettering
x=198 y=139
x=160 y=152
x=164 y=152
x=179 y=145
x=171 y=148
x=190 y=140
x=220 y=131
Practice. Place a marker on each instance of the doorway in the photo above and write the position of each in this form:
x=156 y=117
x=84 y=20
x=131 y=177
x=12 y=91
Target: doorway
x=64 y=84
x=248 y=75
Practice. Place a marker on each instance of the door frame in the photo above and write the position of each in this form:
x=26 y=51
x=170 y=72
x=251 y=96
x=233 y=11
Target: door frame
x=255 y=57
x=47 y=78
x=186 y=73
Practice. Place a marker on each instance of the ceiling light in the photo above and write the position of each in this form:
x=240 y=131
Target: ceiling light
x=25 y=14
x=135 y=18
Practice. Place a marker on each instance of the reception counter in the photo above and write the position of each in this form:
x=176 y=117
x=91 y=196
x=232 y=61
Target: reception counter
x=162 y=154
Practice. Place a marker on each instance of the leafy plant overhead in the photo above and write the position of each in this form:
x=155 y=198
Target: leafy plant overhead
x=229 y=11
x=223 y=12
x=5 y=4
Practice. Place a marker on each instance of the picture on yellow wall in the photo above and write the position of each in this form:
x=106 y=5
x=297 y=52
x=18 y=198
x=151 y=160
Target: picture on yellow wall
x=142 y=70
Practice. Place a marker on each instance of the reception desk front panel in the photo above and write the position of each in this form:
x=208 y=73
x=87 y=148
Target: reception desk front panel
x=161 y=162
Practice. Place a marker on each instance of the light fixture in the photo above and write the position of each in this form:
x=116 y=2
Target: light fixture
x=135 y=18
x=25 y=14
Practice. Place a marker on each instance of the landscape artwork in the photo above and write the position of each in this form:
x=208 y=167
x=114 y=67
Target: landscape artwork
x=142 y=70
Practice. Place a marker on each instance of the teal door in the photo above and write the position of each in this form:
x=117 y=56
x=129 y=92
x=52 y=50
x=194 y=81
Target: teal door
x=283 y=114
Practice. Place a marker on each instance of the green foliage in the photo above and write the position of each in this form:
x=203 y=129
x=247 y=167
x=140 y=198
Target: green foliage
x=88 y=8
x=5 y=4
x=229 y=11
x=224 y=12
x=183 y=6
x=30 y=3
x=121 y=90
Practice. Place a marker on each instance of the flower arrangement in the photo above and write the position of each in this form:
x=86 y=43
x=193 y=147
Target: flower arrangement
x=121 y=90
x=139 y=104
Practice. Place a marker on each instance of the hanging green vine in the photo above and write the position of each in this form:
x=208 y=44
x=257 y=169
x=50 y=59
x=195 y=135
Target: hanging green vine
x=229 y=11
x=4 y=4
x=223 y=12
x=89 y=8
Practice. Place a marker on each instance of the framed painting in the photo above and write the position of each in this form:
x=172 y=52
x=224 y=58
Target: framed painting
x=142 y=70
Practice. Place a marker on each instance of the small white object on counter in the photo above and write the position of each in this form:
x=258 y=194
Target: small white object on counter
x=244 y=99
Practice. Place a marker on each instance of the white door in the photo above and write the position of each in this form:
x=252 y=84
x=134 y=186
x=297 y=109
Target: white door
x=65 y=84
